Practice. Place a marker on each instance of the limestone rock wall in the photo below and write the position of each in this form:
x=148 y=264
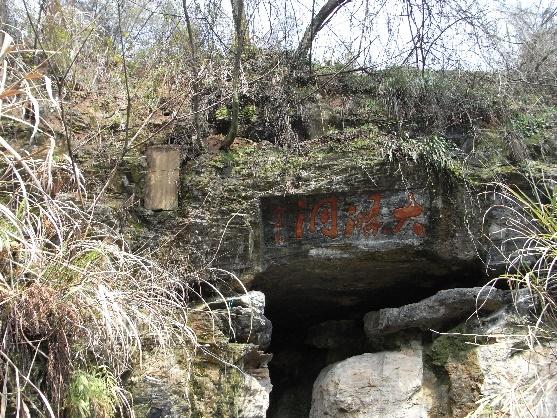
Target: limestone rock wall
x=318 y=239
x=481 y=367
x=228 y=205
x=226 y=375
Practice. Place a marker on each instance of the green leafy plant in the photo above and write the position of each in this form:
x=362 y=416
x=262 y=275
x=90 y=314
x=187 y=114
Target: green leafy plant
x=528 y=125
x=249 y=113
x=433 y=151
x=92 y=394
x=222 y=113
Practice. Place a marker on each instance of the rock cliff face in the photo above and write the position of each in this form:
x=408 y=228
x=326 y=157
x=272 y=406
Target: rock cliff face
x=354 y=259
x=356 y=249
x=334 y=227
x=223 y=378
x=455 y=374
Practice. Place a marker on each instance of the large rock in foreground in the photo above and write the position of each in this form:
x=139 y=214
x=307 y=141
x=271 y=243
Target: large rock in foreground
x=386 y=384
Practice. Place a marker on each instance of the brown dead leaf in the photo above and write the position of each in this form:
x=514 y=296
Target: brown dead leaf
x=34 y=75
x=213 y=143
x=9 y=93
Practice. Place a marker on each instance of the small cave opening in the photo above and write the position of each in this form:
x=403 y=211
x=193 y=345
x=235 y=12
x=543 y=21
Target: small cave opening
x=316 y=325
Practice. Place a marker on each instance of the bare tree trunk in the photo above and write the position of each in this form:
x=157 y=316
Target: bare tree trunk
x=3 y=18
x=239 y=26
x=42 y=6
x=195 y=71
x=317 y=23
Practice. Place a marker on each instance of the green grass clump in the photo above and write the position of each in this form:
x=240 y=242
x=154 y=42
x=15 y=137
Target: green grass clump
x=434 y=152
x=528 y=245
x=92 y=394
x=530 y=250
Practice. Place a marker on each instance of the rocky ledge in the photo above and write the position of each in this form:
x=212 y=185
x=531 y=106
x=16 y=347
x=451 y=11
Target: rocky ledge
x=435 y=368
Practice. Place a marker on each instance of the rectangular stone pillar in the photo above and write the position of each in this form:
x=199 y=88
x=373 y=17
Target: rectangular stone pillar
x=163 y=176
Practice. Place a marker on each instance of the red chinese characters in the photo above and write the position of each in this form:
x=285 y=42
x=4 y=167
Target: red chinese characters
x=365 y=221
x=369 y=221
x=335 y=217
x=351 y=222
x=278 y=220
x=325 y=212
x=299 y=232
x=410 y=211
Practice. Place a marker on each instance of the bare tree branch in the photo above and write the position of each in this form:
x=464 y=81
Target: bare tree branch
x=239 y=26
x=318 y=22
x=195 y=70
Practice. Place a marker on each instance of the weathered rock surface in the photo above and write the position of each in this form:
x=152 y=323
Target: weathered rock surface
x=334 y=230
x=254 y=399
x=518 y=381
x=386 y=384
x=340 y=227
x=165 y=386
x=217 y=378
x=360 y=249
x=437 y=311
x=243 y=318
x=160 y=386
x=257 y=385
x=483 y=366
x=497 y=375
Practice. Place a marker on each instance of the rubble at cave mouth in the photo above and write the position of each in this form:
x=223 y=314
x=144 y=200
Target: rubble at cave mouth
x=313 y=328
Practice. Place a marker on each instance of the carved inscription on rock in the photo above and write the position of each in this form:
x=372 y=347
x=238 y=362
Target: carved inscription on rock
x=360 y=218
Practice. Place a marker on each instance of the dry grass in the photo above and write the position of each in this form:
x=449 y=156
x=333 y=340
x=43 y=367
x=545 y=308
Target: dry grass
x=529 y=249
x=72 y=295
x=530 y=246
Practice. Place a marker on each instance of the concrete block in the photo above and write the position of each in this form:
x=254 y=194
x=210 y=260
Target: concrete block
x=163 y=176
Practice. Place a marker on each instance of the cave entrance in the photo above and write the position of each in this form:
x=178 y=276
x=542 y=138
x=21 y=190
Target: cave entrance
x=314 y=327
x=327 y=260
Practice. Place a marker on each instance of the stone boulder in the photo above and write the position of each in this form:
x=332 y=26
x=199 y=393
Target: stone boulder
x=242 y=318
x=485 y=365
x=519 y=378
x=385 y=384
x=164 y=386
x=436 y=312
